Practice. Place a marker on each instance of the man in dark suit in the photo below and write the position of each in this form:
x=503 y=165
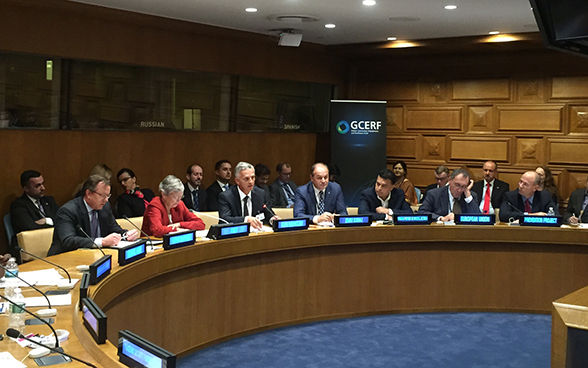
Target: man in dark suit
x=194 y=196
x=282 y=189
x=222 y=170
x=576 y=211
x=319 y=200
x=527 y=199
x=490 y=190
x=382 y=201
x=92 y=213
x=457 y=197
x=244 y=202
x=441 y=180
x=33 y=210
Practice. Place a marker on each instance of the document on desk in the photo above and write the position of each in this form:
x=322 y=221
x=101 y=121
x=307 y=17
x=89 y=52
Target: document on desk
x=47 y=277
x=39 y=301
x=8 y=361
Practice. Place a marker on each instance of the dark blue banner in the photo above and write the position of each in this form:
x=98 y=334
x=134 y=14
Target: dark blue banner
x=358 y=144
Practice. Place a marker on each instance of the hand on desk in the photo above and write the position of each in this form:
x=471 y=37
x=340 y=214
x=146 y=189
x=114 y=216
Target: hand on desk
x=132 y=235
x=325 y=217
x=573 y=220
x=255 y=223
x=449 y=217
x=111 y=239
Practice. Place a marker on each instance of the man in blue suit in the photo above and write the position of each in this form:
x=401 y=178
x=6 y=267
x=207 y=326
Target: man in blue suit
x=382 y=201
x=319 y=200
x=457 y=197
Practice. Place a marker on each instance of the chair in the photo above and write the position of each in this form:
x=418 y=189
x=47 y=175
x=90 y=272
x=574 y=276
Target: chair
x=352 y=210
x=418 y=194
x=284 y=212
x=9 y=229
x=137 y=221
x=37 y=242
x=209 y=218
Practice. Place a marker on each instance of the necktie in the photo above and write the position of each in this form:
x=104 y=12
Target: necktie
x=486 y=208
x=527 y=206
x=196 y=204
x=226 y=187
x=288 y=192
x=245 y=209
x=321 y=205
x=41 y=209
x=456 y=206
x=94 y=224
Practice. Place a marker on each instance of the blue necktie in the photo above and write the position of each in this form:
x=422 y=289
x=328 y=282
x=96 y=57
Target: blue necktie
x=94 y=225
x=321 y=206
x=195 y=200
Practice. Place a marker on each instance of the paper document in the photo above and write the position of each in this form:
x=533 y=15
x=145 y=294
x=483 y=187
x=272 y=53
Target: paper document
x=8 y=361
x=56 y=300
x=47 y=277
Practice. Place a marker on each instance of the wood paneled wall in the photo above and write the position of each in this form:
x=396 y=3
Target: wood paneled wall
x=66 y=157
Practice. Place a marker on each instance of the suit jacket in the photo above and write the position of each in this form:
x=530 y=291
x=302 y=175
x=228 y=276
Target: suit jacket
x=305 y=200
x=24 y=213
x=368 y=202
x=427 y=189
x=202 y=198
x=155 y=220
x=230 y=205
x=437 y=203
x=67 y=237
x=212 y=193
x=498 y=189
x=277 y=195
x=132 y=206
x=542 y=200
x=575 y=206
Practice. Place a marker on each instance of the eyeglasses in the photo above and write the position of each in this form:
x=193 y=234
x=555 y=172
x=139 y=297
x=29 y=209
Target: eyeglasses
x=176 y=197
x=104 y=196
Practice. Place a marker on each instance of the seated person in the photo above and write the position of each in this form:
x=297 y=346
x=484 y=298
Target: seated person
x=548 y=183
x=490 y=190
x=90 y=213
x=400 y=170
x=167 y=213
x=457 y=197
x=576 y=211
x=100 y=169
x=319 y=200
x=3 y=261
x=262 y=173
x=527 y=199
x=194 y=194
x=441 y=180
x=282 y=189
x=134 y=200
x=382 y=201
x=222 y=170
x=244 y=202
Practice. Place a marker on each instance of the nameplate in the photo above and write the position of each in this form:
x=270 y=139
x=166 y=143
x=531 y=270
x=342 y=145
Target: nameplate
x=100 y=269
x=94 y=320
x=135 y=351
x=470 y=219
x=84 y=285
x=132 y=252
x=413 y=219
x=225 y=231
x=290 y=224
x=549 y=221
x=352 y=220
x=179 y=239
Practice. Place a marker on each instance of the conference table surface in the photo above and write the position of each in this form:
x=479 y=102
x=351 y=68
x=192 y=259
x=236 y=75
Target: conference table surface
x=192 y=297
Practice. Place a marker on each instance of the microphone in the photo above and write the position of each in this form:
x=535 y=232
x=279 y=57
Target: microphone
x=519 y=211
x=210 y=216
x=141 y=231
x=88 y=236
x=36 y=317
x=44 y=260
x=50 y=311
x=15 y=334
x=268 y=211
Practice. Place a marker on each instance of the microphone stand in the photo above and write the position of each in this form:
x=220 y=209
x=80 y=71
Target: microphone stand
x=36 y=317
x=26 y=282
x=44 y=260
x=93 y=242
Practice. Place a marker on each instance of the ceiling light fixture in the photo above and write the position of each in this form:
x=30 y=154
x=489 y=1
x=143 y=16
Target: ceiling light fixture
x=493 y=32
x=391 y=38
x=330 y=25
x=400 y=44
x=369 y=2
x=502 y=38
x=450 y=7
x=251 y=10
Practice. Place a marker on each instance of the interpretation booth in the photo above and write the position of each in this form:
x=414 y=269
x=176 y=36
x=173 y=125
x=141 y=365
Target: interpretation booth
x=183 y=299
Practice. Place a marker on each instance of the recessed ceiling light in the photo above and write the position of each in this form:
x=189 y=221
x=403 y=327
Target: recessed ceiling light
x=330 y=25
x=493 y=32
x=391 y=38
x=450 y=7
x=250 y=10
x=369 y=2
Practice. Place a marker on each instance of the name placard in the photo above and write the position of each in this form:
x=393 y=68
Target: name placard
x=290 y=224
x=413 y=219
x=353 y=220
x=550 y=221
x=135 y=351
x=100 y=269
x=132 y=252
x=225 y=231
x=179 y=239
x=475 y=219
x=94 y=320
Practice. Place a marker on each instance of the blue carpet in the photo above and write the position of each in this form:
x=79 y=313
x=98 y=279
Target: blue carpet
x=440 y=340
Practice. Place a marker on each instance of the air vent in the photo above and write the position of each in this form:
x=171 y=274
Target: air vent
x=293 y=19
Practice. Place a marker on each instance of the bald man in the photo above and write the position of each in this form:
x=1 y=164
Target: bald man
x=527 y=199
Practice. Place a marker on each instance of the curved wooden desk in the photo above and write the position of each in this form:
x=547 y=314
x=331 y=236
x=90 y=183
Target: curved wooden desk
x=199 y=295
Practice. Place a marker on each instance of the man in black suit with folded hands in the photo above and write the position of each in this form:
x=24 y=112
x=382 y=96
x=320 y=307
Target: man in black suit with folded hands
x=576 y=211
x=91 y=213
x=527 y=199
x=382 y=200
x=194 y=195
x=244 y=202
x=490 y=190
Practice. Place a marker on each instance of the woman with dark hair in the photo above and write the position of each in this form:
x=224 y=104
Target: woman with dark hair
x=403 y=183
x=547 y=182
x=134 y=200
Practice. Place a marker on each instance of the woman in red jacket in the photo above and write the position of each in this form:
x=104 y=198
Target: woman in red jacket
x=167 y=213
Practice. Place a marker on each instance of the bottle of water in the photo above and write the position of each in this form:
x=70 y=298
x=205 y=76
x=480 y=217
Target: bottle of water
x=17 y=314
x=551 y=212
x=10 y=278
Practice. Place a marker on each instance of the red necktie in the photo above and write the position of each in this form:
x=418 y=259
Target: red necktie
x=486 y=208
x=527 y=206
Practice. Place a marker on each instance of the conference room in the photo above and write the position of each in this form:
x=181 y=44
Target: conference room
x=93 y=84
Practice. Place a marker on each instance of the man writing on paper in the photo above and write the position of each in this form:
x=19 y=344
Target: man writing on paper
x=576 y=211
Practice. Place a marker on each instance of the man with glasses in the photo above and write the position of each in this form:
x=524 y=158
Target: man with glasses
x=527 y=199
x=282 y=190
x=453 y=199
x=92 y=214
x=441 y=180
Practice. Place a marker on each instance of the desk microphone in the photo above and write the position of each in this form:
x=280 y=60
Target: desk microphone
x=519 y=211
x=50 y=310
x=268 y=211
x=141 y=231
x=211 y=216
x=44 y=260
x=15 y=334
x=88 y=236
x=35 y=316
